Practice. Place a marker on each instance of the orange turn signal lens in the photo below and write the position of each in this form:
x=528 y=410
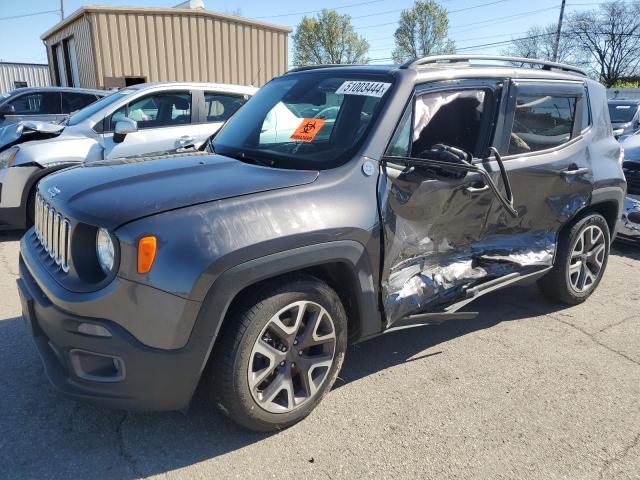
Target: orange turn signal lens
x=146 y=253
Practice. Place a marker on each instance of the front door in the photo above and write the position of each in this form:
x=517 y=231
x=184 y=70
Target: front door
x=435 y=219
x=164 y=124
x=544 y=147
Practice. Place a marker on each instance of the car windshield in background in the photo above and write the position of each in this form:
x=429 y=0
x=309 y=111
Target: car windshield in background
x=86 y=112
x=307 y=121
x=622 y=113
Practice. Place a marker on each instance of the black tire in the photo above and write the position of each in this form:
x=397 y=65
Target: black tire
x=31 y=209
x=557 y=284
x=234 y=352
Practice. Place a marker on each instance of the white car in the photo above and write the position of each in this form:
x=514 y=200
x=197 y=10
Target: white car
x=138 y=120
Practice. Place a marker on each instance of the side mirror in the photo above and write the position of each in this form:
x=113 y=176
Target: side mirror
x=122 y=128
x=617 y=132
x=7 y=109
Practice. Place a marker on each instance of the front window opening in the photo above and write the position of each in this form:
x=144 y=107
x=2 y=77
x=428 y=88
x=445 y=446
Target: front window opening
x=307 y=121
x=456 y=119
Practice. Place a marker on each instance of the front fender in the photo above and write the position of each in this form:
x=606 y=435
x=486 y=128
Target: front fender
x=60 y=150
x=230 y=283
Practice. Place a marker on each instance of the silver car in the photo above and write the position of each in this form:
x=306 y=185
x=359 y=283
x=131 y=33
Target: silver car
x=625 y=115
x=139 y=120
x=48 y=104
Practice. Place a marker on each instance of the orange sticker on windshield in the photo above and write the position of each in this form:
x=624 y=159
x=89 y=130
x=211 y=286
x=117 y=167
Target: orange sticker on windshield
x=308 y=129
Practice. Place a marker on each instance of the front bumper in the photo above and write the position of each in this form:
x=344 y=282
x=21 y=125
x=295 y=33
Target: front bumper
x=116 y=371
x=629 y=224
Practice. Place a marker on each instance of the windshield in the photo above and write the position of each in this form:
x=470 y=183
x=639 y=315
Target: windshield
x=86 y=112
x=622 y=113
x=307 y=121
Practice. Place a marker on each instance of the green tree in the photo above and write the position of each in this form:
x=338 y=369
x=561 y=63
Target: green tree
x=328 y=38
x=423 y=30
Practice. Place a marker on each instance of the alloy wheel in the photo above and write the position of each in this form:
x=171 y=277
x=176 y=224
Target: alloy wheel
x=587 y=257
x=292 y=357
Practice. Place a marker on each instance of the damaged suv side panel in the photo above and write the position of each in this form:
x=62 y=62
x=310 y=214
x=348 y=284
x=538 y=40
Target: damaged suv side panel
x=446 y=237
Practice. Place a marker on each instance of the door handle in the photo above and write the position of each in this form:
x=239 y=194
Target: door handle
x=479 y=188
x=574 y=172
x=184 y=141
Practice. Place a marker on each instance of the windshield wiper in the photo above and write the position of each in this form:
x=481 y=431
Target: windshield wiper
x=244 y=158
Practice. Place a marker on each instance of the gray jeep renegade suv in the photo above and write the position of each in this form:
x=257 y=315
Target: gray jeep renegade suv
x=339 y=203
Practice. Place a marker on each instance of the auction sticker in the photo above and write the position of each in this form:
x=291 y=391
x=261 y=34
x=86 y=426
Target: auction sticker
x=369 y=89
x=308 y=129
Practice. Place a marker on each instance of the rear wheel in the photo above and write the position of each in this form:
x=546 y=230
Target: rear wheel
x=280 y=355
x=583 y=251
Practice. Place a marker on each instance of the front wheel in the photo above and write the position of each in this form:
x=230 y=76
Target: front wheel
x=280 y=355
x=583 y=251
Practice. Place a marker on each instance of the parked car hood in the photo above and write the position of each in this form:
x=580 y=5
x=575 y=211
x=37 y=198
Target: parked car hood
x=112 y=193
x=20 y=132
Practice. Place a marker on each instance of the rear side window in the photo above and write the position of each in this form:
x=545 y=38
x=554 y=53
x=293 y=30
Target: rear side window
x=586 y=111
x=42 y=103
x=219 y=107
x=541 y=122
x=72 y=102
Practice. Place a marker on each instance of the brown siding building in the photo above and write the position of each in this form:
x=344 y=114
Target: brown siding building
x=103 y=47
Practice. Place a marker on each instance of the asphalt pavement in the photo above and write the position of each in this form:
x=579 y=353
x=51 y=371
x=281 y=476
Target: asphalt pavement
x=529 y=390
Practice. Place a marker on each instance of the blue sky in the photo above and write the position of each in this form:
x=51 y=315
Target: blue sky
x=472 y=22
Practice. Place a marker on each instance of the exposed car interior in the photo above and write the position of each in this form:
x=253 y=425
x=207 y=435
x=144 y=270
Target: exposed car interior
x=456 y=119
x=157 y=110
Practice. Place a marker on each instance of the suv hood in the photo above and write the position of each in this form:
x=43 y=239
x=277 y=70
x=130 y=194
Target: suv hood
x=112 y=193
x=20 y=132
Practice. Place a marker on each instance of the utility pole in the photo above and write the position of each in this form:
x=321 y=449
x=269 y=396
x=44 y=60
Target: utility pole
x=558 y=32
x=62 y=9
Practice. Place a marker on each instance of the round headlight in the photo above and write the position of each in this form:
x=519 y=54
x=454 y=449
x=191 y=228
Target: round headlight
x=105 y=250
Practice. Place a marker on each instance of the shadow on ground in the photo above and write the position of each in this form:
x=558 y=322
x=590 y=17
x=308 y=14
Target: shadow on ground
x=11 y=235
x=48 y=435
x=628 y=250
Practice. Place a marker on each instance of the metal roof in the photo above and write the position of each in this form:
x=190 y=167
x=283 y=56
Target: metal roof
x=165 y=11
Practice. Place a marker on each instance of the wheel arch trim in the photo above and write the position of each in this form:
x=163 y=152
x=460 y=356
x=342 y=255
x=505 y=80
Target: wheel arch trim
x=234 y=280
x=605 y=198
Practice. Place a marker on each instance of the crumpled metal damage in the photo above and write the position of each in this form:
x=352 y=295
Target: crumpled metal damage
x=629 y=223
x=20 y=132
x=428 y=282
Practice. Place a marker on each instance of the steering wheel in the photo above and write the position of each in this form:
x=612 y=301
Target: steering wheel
x=323 y=112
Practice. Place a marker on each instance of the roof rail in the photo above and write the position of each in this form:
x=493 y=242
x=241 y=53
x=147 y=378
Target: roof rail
x=466 y=58
x=302 y=68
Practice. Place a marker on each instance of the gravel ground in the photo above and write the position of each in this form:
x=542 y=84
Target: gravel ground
x=529 y=390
